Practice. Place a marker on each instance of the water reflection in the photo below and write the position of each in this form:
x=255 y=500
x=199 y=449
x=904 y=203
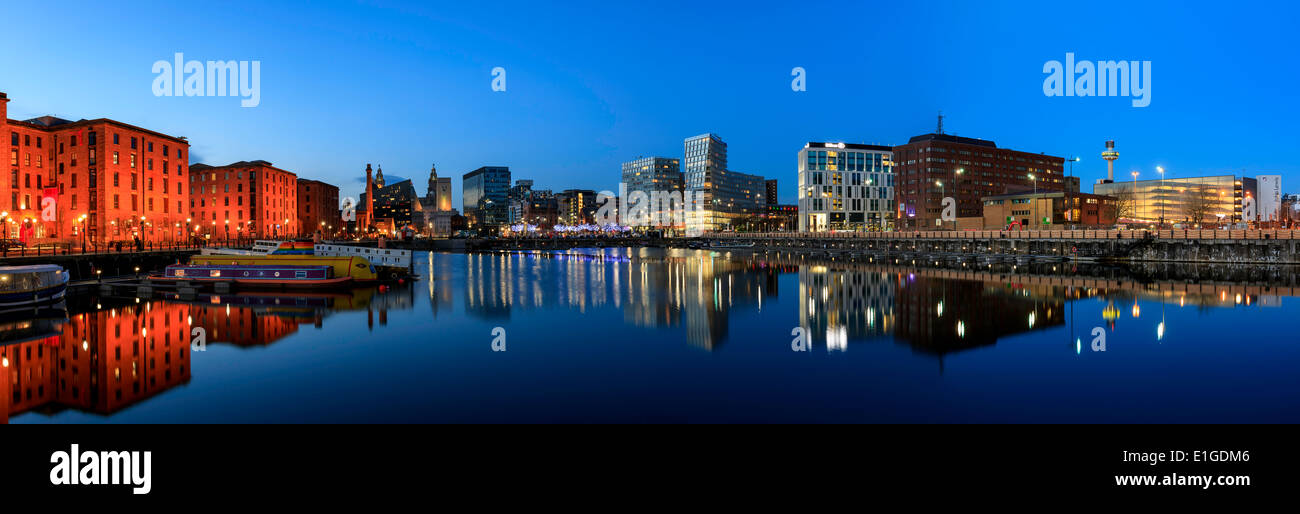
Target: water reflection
x=879 y=330
x=935 y=310
x=653 y=288
x=112 y=353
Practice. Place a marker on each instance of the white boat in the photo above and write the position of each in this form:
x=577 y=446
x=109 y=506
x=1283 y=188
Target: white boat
x=726 y=245
x=382 y=257
x=32 y=285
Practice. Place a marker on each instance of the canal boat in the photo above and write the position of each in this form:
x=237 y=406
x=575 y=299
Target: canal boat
x=389 y=263
x=32 y=285
x=357 y=268
x=719 y=245
x=257 y=275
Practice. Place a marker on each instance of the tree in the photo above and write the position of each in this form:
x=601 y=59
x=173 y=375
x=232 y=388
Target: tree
x=1198 y=201
x=1122 y=206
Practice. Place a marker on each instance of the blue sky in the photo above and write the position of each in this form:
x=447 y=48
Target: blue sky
x=593 y=84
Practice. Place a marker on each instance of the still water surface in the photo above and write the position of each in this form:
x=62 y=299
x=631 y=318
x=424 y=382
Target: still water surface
x=680 y=336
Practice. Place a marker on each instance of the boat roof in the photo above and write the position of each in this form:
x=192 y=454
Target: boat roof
x=34 y=268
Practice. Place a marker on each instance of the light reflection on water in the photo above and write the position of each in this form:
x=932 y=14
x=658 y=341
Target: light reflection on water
x=682 y=335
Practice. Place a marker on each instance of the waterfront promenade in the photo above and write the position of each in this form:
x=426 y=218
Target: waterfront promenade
x=1224 y=246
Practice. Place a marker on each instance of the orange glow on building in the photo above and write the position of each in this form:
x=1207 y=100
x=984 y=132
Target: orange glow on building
x=246 y=199
x=127 y=180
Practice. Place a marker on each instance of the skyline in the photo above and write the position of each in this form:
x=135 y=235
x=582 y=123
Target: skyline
x=409 y=87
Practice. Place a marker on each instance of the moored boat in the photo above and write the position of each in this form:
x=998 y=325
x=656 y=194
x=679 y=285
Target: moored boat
x=357 y=268
x=263 y=275
x=32 y=285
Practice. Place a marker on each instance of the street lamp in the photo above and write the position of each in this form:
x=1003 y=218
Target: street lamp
x=4 y=222
x=82 y=219
x=1136 y=198
x=1035 y=181
x=956 y=184
x=942 y=194
x=1162 y=194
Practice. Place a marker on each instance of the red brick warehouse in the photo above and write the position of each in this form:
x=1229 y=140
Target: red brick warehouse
x=246 y=199
x=112 y=180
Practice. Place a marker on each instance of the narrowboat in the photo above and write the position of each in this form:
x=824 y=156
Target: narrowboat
x=389 y=263
x=32 y=285
x=357 y=268
x=271 y=275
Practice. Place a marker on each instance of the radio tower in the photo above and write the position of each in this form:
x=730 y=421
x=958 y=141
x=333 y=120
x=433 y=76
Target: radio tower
x=1110 y=155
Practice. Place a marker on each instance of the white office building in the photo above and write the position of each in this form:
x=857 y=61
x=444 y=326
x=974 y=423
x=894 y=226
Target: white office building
x=846 y=186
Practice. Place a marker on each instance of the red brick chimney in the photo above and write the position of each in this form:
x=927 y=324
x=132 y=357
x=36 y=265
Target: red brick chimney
x=370 y=199
x=4 y=109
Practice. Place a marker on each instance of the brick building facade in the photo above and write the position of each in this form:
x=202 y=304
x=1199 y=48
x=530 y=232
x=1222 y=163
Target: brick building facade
x=243 y=200
x=125 y=180
x=318 y=207
x=933 y=166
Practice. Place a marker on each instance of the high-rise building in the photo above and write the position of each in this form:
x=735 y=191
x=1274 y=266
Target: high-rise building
x=771 y=192
x=651 y=174
x=245 y=199
x=518 y=198
x=933 y=166
x=661 y=179
x=125 y=180
x=720 y=196
x=845 y=186
x=485 y=193
x=576 y=206
x=318 y=207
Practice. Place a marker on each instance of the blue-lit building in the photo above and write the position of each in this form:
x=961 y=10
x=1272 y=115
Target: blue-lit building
x=723 y=196
x=486 y=195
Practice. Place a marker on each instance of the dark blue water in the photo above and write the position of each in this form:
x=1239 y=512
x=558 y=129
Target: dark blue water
x=685 y=336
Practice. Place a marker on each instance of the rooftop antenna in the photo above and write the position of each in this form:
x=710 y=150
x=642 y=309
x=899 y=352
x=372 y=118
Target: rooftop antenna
x=939 y=130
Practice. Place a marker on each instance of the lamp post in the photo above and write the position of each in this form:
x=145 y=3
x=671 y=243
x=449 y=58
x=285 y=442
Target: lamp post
x=1162 y=195
x=82 y=219
x=956 y=184
x=942 y=195
x=4 y=222
x=227 y=232
x=1136 y=204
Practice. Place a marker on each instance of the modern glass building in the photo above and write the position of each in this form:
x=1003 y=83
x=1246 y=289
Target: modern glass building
x=1212 y=199
x=723 y=196
x=846 y=186
x=485 y=192
x=651 y=175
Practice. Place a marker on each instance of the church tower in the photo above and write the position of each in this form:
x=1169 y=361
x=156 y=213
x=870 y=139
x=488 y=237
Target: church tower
x=379 y=178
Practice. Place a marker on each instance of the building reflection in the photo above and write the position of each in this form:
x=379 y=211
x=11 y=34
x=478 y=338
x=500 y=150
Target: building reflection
x=100 y=362
x=933 y=310
x=111 y=356
x=676 y=288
